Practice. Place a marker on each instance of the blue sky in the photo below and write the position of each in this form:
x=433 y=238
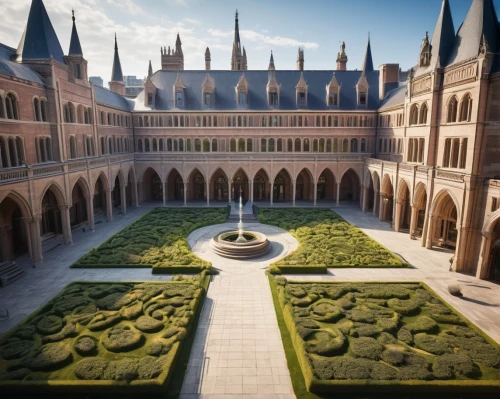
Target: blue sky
x=397 y=28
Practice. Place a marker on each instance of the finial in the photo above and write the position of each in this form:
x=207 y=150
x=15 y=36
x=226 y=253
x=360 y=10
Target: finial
x=116 y=43
x=73 y=12
x=236 y=15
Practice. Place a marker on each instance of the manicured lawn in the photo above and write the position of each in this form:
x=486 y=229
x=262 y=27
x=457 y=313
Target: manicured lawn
x=158 y=239
x=326 y=240
x=102 y=337
x=380 y=338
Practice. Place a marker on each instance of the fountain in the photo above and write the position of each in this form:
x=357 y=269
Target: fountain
x=240 y=244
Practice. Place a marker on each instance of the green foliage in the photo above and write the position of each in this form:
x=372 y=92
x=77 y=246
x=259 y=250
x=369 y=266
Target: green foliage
x=148 y=324
x=50 y=357
x=326 y=240
x=383 y=332
x=49 y=325
x=158 y=239
x=91 y=368
x=86 y=345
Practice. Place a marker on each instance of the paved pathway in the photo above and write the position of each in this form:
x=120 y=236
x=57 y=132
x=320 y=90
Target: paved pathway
x=238 y=349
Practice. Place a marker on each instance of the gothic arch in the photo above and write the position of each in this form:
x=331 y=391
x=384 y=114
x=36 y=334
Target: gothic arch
x=404 y=184
x=419 y=194
x=266 y=172
x=489 y=223
x=83 y=184
x=326 y=169
x=56 y=190
x=242 y=170
x=104 y=180
x=20 y=200
x=387 y=184
x=309 y=173
x=192 y=172
x=437 y=203
x=141 y=177
x=284 y=168
x=171 y=172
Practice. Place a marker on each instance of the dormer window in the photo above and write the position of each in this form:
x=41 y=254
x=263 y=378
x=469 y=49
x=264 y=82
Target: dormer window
x=302 y=99
x=362 y=98
x=150 y=99
x=242 y=99
x=179 y=99
x=332 y=92
x=333 y=100
x=207 y=99
x=273 y=99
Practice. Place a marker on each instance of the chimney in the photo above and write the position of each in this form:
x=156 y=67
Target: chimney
x=300 y=59
x=388 y=79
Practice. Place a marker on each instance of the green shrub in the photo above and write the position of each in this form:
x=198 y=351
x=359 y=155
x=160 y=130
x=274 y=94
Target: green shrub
x=16 y=349
x=86 y=345
x=415 y=372
x=453 y=365
x=158 y=349
x=392 y=356
x=50 y=357
x=422 y=324
x=103 y=321
x=432 y=344
x=381 y=371
x=326 y=343
x=405 y=335
x=342 y=368
x=121 y=339
x=366 y=347
x=404 y=307
x=122 y=370
x=49 y=325
x=327 y=312
x=148 y=324
x=132 y=312
x=150 y=367
x=91 y=368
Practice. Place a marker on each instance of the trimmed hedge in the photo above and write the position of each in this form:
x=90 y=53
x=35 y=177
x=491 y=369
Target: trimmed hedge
x=381 y=362
x=325 y=240
x=123 y=350
x=157 y=240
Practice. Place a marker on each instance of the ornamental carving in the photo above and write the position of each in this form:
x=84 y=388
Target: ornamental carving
x=451 y=176
x=465 y=74
x=422 y=85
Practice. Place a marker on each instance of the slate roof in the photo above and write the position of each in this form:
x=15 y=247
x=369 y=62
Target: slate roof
x=106 y=97
x=75 y=47
x=481 y=19
x=14 y=69
x=116 y=74
x=394 y=97
x=368 y=61
x=39 y=40
x=226 y=81
x=442 y=40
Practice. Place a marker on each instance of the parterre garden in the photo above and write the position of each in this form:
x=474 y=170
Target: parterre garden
x=158 y=240
x=102 y=337
x=325 y=240
x=382 y=337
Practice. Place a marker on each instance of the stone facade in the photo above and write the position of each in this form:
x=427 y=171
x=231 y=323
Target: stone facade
x=425 y=159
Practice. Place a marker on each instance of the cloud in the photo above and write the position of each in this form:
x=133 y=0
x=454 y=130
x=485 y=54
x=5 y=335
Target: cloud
x=182 y=3
x=128 y=5
x=192 y=21
x=262 y=39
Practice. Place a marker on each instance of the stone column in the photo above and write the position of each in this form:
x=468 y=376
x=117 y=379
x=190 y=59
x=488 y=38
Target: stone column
x=271 y=194
x=229 y=191
x=185 y=193
x=123 y=198
x=315 y=196
x=109 y=205
x=413 y=221
x=207 y=189
x=135 y=195
x=365 y=200
x=484 y=258
x=338 y=193
x=90 y=212
x=459 y=249
x=164 y=193
x=4 y=241
x=294 y=191
x=397 y=218
x=66 y=224
x=376 y=200
x=381 y=207
x=251 y=191
x=26 y=223
x=36 y=239
x=430 y=231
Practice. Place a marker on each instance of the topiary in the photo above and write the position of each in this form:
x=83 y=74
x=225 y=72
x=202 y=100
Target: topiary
x=122 y=370
x=69 y=303
x=117 y=300
x=392 y=356
x=25 y=332
x=16 y=349
x=49 y=325
x=158 y=349
x=103 y=321
x=121 y=339
x=150 y=367
x=326 y=311
x=91 y=368
x=415 y=372
x=404 y=307
x=383 y=372
x=342 y=368
x=86 y=345
x=405 y=335
x=148 y=324
x=69 y=330
x=422 y=324
x=177 y=332
x=366 y=347
x=432 y=344
x=454 y=365
x=50 y=357
x=326 y=343
x=132 y=312
x=305 y=301
x=386 y=338
x=295 y=290
x=366 y=330
x=447 y=319
x=280 y=280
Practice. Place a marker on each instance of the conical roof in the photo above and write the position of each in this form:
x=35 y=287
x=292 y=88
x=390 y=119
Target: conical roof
x=39 y=40
x=368 y=61
x=116 y=74
x=75 y=47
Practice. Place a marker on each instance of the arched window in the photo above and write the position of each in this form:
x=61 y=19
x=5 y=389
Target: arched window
x=249 y=145
x=2 y=114
x=214 y=145
x=11 y=106
x=181 y=145
x=71 y=113
x=315 y=145
x=147 y=146
x=297 y=147
x=321 y=145
x=354 y=145
x=232 y=145
x=414 y=115
x=155 y=145
x=466 y=108
x=452 y=110
x=423 y=115
x=111 y=150
x=206 y=145
x=141 y=148
x=72 y=147
x=363 y=145
x=345 y=145
x=36 y=109
x=270 y=145
x=279 y=145
x=48 y=148
x=263 y=145
x=197 y=145
x=289 y=146
x=329 y=145
x=306 y=145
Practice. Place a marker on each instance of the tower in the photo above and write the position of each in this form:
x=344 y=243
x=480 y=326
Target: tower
x=368 y=61
x=77 y=64
x=173 y=60
x=117 y=85
x=207 y=59
x=342 y=58
x=239 y=56
x=300 y=59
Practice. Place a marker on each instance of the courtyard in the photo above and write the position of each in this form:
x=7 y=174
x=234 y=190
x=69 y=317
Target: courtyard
x=237 y=349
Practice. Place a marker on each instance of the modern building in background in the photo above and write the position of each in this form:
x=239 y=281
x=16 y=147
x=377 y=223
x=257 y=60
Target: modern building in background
x=419 y=151
x=96 y=80
x=133 y=86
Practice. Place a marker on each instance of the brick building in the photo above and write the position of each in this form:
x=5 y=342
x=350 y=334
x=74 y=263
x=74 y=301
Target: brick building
x=419 y=150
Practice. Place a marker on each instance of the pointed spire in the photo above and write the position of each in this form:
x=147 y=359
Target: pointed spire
x=150 y=69
x=178 y=47
x=39 y=41
x=481 y=20
x=368 y=61
x=74 y=46
x=116 y=74
x=271 y=62
x=236 y=30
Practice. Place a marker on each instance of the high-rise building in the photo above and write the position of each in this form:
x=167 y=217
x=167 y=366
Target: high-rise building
x=96 y=81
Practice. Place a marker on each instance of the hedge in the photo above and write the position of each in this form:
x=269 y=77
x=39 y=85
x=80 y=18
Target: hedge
x=340 y=355
x=156 y=240
x=326 y=240
x=125 y=352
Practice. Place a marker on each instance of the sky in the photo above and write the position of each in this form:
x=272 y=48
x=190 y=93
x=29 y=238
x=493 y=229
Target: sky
x=396 y=28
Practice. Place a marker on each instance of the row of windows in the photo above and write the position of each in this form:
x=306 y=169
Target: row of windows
x=114 y=145
x=40 y=109
x=112 y=119
x=416 y=148
x=391 y=120
x=455 y=153
x=88 y=147
x=43 y=146
x=11 y=151
x=83 y=114
x=462 y=110
x=418 y=114
x=9 y=109
x=257 y=121
x=252 y=145
x=390 y=146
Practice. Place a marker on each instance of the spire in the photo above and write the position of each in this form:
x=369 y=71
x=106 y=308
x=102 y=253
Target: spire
x=368 y=62
x=480 y=25
x=208 y=59
x=116 y=74
x=236 y=31
x=74 y=46
x=300 y=59
x=271 y=63
x=150 y=69
x=238 y=57
x=178 y=47
x=39 y=40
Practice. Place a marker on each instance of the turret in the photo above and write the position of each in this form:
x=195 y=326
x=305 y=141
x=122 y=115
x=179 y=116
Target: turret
x=342 y=58
x=117 y=85
x=300 y=59
x=77 y=64
x=208 y=59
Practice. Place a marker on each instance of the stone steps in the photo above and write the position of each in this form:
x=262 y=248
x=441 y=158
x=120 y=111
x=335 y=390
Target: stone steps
x=9 y=272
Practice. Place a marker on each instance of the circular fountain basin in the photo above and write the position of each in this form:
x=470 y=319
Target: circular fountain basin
x=225 y=244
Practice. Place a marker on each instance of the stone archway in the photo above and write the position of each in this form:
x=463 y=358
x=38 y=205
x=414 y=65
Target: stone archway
x=197 y=186
x=349 y=186
x=418 y=211
x=78 y=212
x=53 y=211
x=443 y=227
x=282 y=187
x=261 y=186
x=325 y=187
x=152 y=186
x=386 y=206
x=240 y=185
x=175 y=186
x=219 y=186
x=304 y=186
x=403 y=208
x=14 y=231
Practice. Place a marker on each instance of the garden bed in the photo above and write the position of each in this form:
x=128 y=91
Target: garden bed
x=326 y=240
x=158 y=240
x=382 y=338
x=102 y=337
